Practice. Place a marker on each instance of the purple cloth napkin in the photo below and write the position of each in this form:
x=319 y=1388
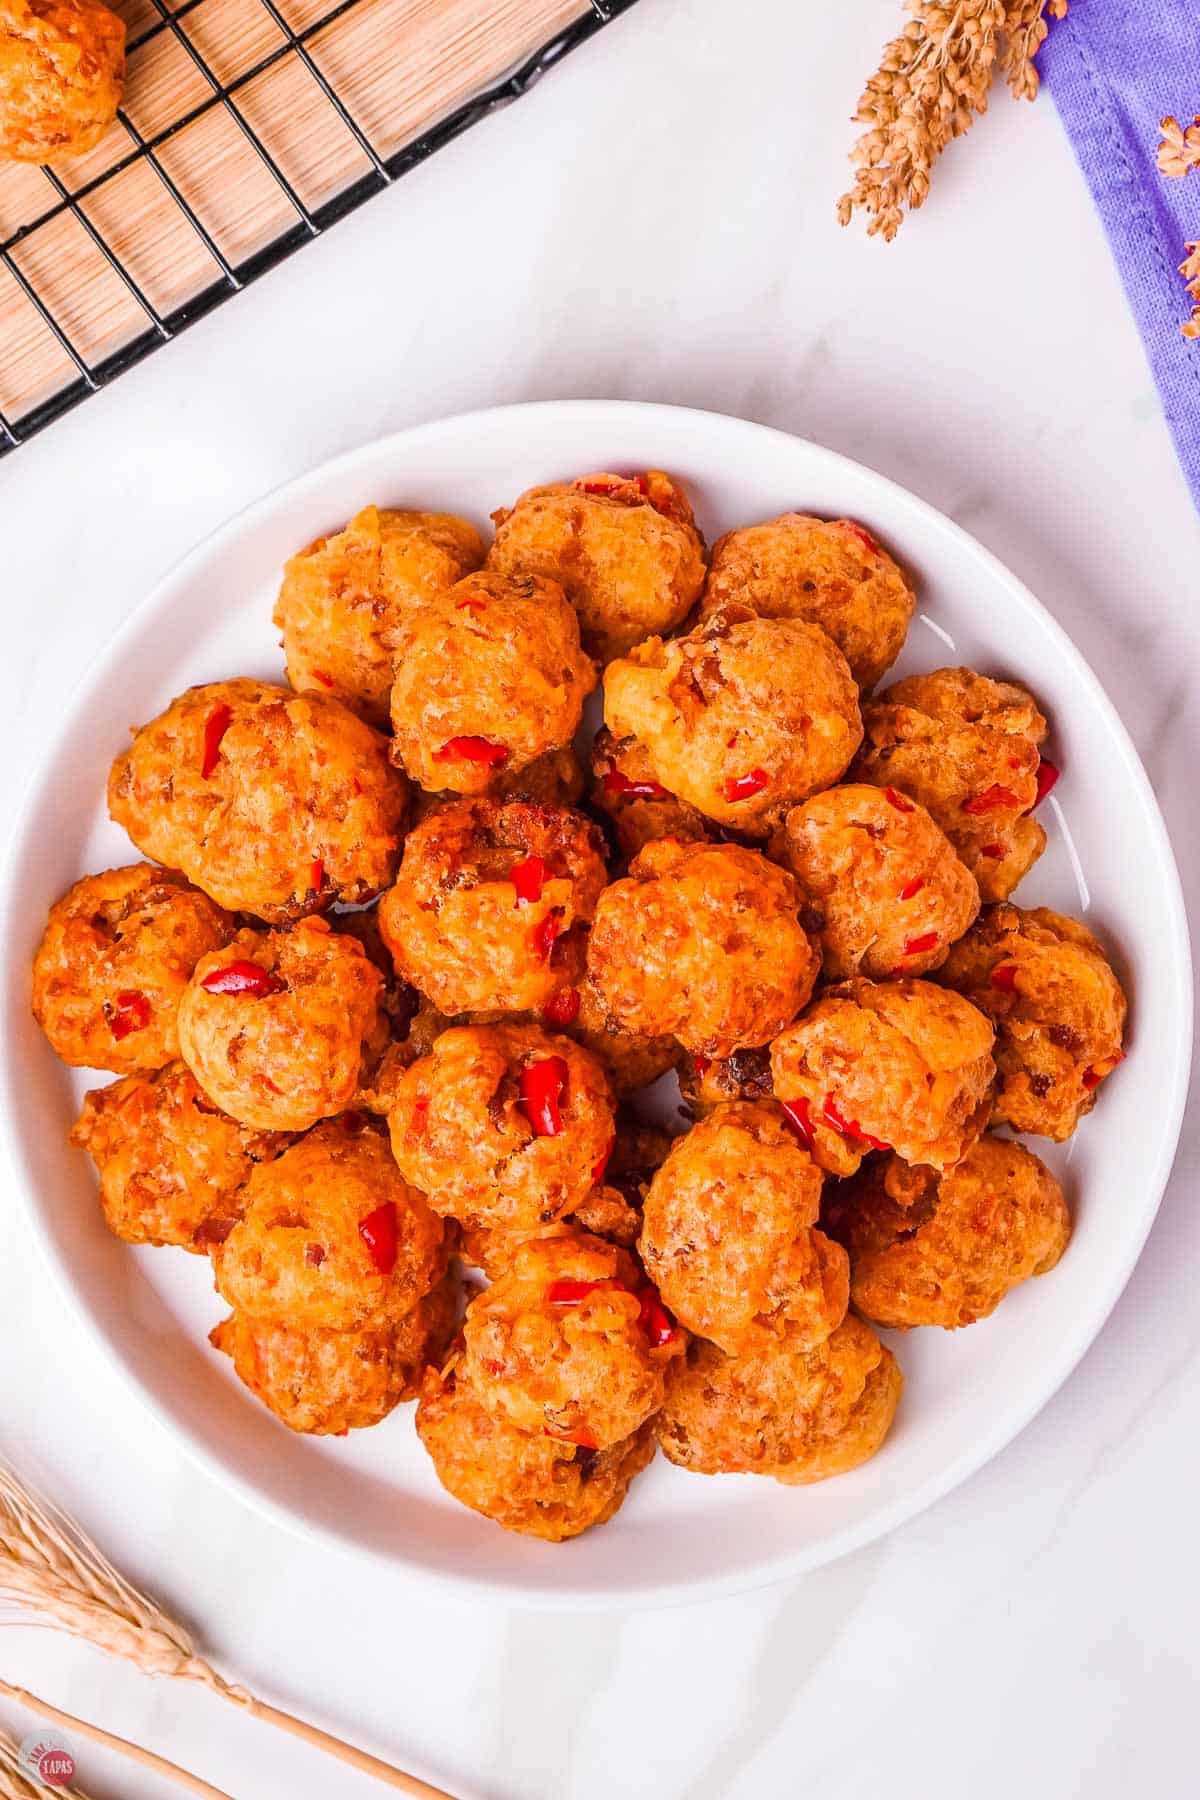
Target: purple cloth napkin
x=1115 y=69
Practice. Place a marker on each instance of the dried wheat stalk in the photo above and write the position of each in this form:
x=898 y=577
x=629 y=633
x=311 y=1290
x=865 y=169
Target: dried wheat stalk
x=1178 y=155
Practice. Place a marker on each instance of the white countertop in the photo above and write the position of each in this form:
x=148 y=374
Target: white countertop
x=656 y=221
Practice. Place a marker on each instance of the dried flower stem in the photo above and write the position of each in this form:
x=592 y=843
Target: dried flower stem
x=147 y=1759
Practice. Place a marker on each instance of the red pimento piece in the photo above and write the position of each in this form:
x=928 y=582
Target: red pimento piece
x=213 y=1231
x=900 y=801
x=316 y=875
x=611 y=484
x=995 y=851
x=601 y=1168
x=546 y=934
x=132 y=1013
x=702 y=1064
x=314 y=1255
x=215 y=727
x=990 y=799
x=1092 y=1078
x=324 y=679
x=917 y=946
x=582 y=1438
x=1047 y=774
x=570 y=1293
x=563 y=1008
x=799 y=1117
x=912 y=887
x=851 y=1127
x=1004 y=977
x=420 y=1119
x=241 y=978
x=471 y=749
x=613 y=781
x=654 y=1318
x=472 y=604
x=529 y=878
x=860 y=532
x=542 y=1086
x=378 y=1233
x=744 y=787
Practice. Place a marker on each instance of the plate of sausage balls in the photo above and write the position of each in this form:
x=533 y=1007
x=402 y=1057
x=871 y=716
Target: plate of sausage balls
x=596 y=1003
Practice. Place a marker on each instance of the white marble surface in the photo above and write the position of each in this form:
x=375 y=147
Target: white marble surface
x=655 y=221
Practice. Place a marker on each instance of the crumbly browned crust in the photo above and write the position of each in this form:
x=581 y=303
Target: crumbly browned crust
x=708 y=1081
x=62 y=71
x=627 y=791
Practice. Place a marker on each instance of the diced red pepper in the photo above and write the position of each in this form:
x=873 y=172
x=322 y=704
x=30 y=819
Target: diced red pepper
x=900 y=801
x=860 y=532
x=744 y=787
x=702 y=1064
x=614 y=781
x=991 y=799
x=529 y=878
x=799 y=1117
x=601 y=1168
x=570 y=1293
x=917 y=946
x=213 y=1231
x=1047 y=774
x=378 y=1233
x=131 y=1013
x=610 y=484
x=1004 y=977
x=851 y=1127
x=215 y=727
x=912 y=887
x=316 y=874
x=241 y=978
x=582 y=1438
x=995 y=851
x=546 y=934
x=471 y=749
x=563 y=1007
x=472 y=604
x=1092 y=1078
x=314 y=1255
x=654 y=1318
x=420 y=1119
x=542 y=1086
x=324 y=679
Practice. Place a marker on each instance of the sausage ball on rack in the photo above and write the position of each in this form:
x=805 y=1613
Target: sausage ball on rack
x=503 y=1125
x=639 y=808
x=702 y=942
x=275 y=803
x=274 y=1027
x=113 y=964
x=625 y=550
x=886 y=894
x=741 y=718
x=727 y=1233
x=490 y=904
x=172 y=1166
x=62 y=72
x=708 y=1081
x=886 y=1066
x=344 y=596
x=489 y=677
x=828 y=571
x=525 y=1482
x=332 y=1235
x=1058 y=1008
x=797 y=1415
x=930 y=1249
x=966 y=748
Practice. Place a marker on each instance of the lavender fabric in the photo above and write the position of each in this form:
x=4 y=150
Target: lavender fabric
x=1115 y=69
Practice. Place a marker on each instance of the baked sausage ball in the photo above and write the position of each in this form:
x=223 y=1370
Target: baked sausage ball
x=966 y=748
x=886 y=894
x=1058 y=1008
x=727 y=1233
x=886 y=1066
x=344 y=596
x=570 y=1341
x=113 y=964
x=489 y=676
x=274 y=1026
x=332 y=1235
x=503 y=1125
x=625 y=789
x=172 y=1166
x=490 y=904
x=702 y=942
x=708 y=1081
x=274 y=803
x=742 y=718
x=930 y=1249
x=828 y=571
x=625 y=550
x=525 y=1482
x=62 y=71
x=798 y=1415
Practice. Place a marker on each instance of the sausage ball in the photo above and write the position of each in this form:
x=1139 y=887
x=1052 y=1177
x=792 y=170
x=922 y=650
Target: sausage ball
x=525 y=1482
x=503 y=1125
x=930 y=1249
x=62 y=71
x=489 y=677
x=742 y=718
x=344 y=596
x=625 y=550
x=702 y=942
x=640 y=809
x=966 y=748
x=274 y=1026
x=886 y=1066
x=571 y=1342
x=555 y=779
x=1058 y=1008
x=797 y=1415
x=274 y=803
x=490 y=904
x=708 y=1081
x=113 y=964
x=172 y=1166
x=828 y=571
x=331 y=1382
x=332 y=1235
x=886 y=894
x=727 y=1233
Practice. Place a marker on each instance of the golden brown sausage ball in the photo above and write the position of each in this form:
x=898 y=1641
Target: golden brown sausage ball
x=828 y=571
x=930 y=1249
x=708 y=1081
x=344 y=596
x=727 y=1233
x=555 y=779
x=797 y=1415
x=62 y=71
x=742 y=718
x=886 y=894
x=275 y=1025
x=528 y=1483
x=275 y=803
x=702 y=942
x=503 y=1125
x=490 y=904
x=172 y=1166
x=1058 y=1008
x=113 y=964
x=625 y=550
x=332 y=1235
x=570 y=1340
x=331 y=1382
x=966 y=748
x=886 y=1066
x=625 y=789
x=489 y=677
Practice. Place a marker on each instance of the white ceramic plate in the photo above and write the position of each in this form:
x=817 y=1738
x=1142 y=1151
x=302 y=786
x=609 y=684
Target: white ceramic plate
x=679 y=1536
